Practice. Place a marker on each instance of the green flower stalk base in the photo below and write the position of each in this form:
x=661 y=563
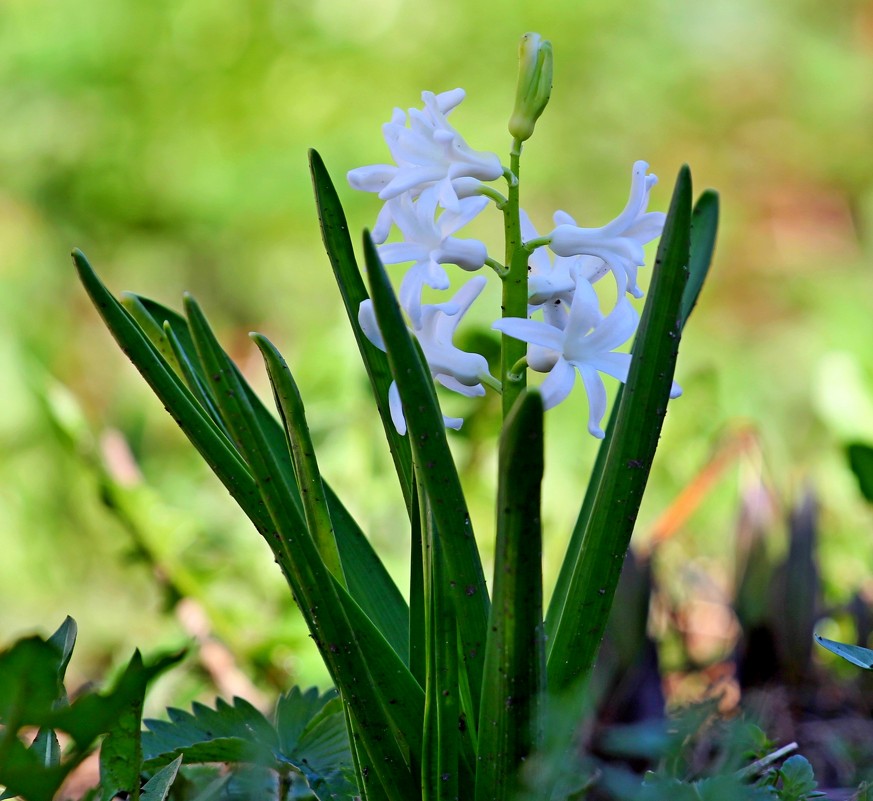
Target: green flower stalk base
x=446 y=694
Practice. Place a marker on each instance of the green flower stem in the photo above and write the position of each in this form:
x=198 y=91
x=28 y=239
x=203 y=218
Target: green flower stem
x=514 y=287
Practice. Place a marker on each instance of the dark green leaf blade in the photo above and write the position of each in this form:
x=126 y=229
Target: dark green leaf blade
x=510 y=725
x=368 y=580
x=121 y=750
x=704 y=226
x=313 y=738
x=309 y=483
x=321 y=600
x=158 y=787
x=203 y=433
x=860 y=457
x=338 y=244
x=435 y=469
x=861 y=657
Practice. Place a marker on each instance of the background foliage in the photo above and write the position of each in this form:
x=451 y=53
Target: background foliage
x=168 y=140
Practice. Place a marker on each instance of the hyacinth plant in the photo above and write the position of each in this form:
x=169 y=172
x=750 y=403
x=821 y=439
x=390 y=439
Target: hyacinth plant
x=446 y=689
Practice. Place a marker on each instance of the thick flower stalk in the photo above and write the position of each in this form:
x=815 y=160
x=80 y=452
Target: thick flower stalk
x=437 y=186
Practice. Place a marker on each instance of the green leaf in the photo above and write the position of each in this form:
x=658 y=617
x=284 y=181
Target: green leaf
x=64 y=639
x=201 y=430
x=121 y=750
x=22 y=773
x=290 y=406
x=576 y=624
x=309 y=736
x=440 y=765
x=321 y=600
x=29 y=682
x=435 y=469
x=704 y=225
x=320 y=748
x=158 y=787
x=368 y=580
x=861 y=461
x=510 y=725
x=338 y=244
x=798 y=780
x=862 y=657
x=237 y=733
x=31 y=687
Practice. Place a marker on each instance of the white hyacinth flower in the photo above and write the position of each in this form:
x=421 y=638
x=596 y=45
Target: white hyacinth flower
x=620 y=243
x=428 y=243
x=429 y=152
x=455 y=369
x=586 y=345
x=550 y=282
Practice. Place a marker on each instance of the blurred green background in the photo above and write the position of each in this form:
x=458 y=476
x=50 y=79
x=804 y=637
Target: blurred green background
x=168 y=140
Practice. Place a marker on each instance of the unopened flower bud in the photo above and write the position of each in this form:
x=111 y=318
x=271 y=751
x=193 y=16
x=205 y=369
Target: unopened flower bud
x=534 y=85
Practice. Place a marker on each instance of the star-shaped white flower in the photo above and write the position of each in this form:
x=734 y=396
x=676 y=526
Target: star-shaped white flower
x=618 y=244
x=429 y=152
x=428 y=242
x=455 y=369
x=586 y=345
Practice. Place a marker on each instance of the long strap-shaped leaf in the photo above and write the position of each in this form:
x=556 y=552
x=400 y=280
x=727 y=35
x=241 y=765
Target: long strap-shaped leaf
x=579 y=629
x=368 y=580
x=335 y=234
x=309 y=483
x=440 y=751
x=704 y=224
x=510 y=724
x=213 y=445
x=314 y=587
x=704 y=227
x=464 y=579
x=219 y=453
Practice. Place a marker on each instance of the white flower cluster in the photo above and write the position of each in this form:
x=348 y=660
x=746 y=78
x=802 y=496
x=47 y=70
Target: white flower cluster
x=435 y=188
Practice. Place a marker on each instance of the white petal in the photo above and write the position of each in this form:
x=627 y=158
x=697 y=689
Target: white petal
x=408 y=178
x=468 y=209
x=648 y=227
x=468 y=254
x=596 y=398
x=557 y=384
x=453 y=422
x=449 y=382
x=382 y=226
x=367 y=321
x=446 y=101
x=614 y=330
x=532 y=331
x=373 y=178
x=584 y=312
x=399 y=252
x=395 y=407
x=613 y=364
x=540 y=359
x=675 y=390
x=562 y=218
